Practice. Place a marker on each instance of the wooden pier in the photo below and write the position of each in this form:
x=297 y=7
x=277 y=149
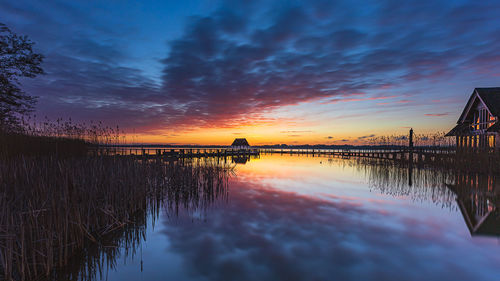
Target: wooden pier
x=178 y=153
x=417 y=155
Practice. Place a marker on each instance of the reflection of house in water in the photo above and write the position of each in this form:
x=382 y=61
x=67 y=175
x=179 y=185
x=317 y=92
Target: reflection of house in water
x=244 y=158
x=478 y=126
x=240 y=144
x=240 y=159
x=478 y=200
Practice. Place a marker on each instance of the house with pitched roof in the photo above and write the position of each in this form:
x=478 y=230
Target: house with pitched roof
x=240 y=143
x=478 y=125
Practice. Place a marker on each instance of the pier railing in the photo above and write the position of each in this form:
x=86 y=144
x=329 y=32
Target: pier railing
x=417 y=154
x=480 y=159
x=375 y=152
x=173 y=152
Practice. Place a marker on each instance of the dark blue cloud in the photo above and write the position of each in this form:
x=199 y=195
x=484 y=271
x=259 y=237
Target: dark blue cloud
x=366 y=137
x=298 y=54
x=230 y=64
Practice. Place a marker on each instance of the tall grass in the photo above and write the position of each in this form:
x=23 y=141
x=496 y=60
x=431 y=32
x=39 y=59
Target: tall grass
x=16 y=144
x=437 y=139
x=90 y=132
x=439 y=152
x=57 y=138
x=402 y=179
x=52 y=207
x=440 y=184
x=418 y=183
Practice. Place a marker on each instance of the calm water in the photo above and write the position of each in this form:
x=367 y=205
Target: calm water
x=304 y=218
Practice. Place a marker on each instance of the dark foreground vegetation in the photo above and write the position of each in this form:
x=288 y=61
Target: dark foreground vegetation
x=60 y=138
x=16 y=144
x=52 y=208
x=60 y=204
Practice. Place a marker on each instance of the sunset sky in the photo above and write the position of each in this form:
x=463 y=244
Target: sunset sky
x=205 y=72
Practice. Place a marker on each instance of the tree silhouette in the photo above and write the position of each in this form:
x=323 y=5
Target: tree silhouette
x=17 y=60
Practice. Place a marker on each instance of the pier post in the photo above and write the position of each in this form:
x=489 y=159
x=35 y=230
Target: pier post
x=410 y=158
x=411 y=139
x=410 y=146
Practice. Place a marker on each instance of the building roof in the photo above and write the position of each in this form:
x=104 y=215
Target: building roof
x=490 y=97
x=240 y=142
x=463 y=129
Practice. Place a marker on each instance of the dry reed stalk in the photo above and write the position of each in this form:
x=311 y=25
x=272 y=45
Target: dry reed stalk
x=54 y=208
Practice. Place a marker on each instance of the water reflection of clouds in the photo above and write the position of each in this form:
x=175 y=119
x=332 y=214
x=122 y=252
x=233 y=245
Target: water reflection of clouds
x=304 y=175
x=266 y=234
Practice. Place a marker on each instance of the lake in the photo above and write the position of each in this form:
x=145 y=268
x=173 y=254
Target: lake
x=287 y=217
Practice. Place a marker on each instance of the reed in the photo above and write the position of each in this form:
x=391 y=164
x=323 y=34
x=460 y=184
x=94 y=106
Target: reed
x=441 y=153
x=435 y=140
x=418 y=183
x=52 y=208
x=60 y=138
x=402 y=179
x=15 y=144
x=90 y=132
x=442 y=185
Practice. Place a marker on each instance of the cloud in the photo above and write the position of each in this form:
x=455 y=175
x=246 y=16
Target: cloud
x=329 y=137
x=296 y=131
x=397 y=103
x=337 y=100
x=366 y=137
x=437 y=114
x=298 y=56
x=234 y=66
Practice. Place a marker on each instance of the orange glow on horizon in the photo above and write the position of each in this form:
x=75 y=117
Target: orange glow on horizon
x=257 y=136
x=294 y=125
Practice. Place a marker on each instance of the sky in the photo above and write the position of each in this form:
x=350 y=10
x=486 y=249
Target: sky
x=295 y=72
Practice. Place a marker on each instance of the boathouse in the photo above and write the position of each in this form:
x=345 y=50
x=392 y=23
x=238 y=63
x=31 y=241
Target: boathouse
x=240 y=143
x=478 y=125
